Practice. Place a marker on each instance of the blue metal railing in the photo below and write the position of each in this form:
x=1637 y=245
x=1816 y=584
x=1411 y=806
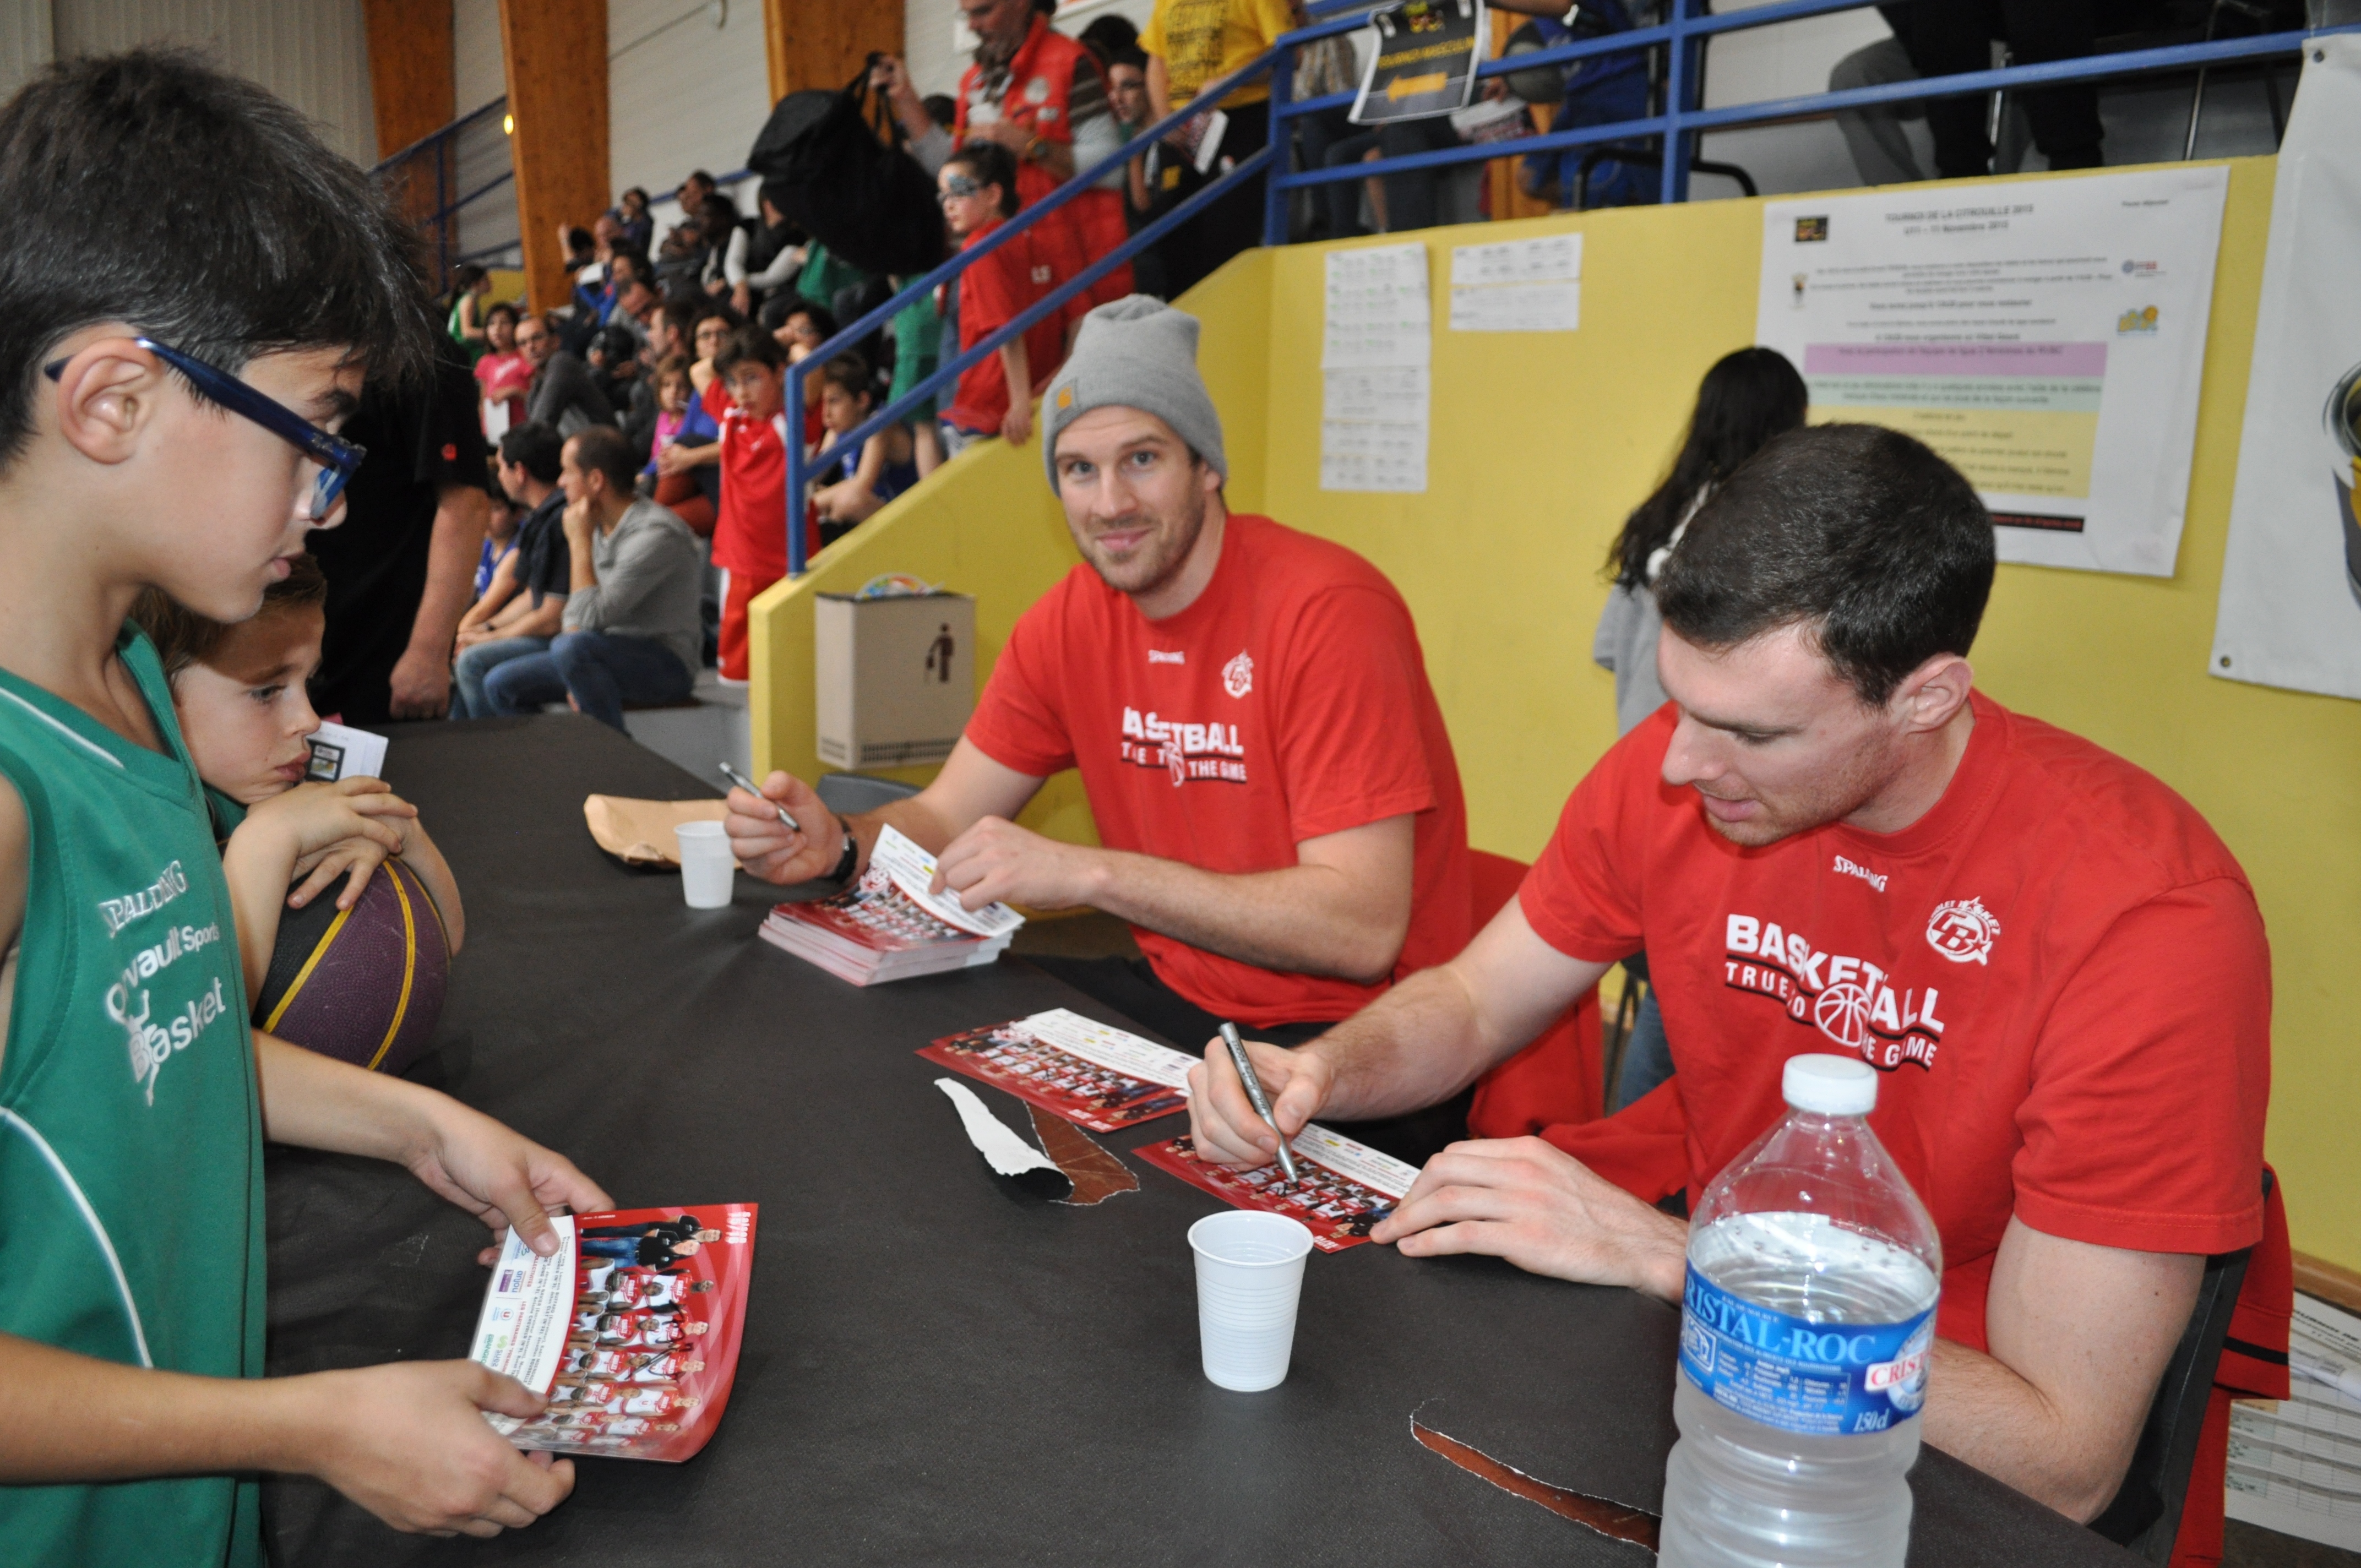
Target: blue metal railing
x=442 y=146
x=1682 y=35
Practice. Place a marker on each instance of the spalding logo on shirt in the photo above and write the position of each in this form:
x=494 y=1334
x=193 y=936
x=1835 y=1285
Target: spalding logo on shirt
x=1846 y=998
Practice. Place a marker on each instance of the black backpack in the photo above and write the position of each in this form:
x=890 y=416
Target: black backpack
x=861 y=196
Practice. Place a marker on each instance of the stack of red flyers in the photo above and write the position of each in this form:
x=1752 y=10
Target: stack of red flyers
x=631 y=1328
x=891 y=925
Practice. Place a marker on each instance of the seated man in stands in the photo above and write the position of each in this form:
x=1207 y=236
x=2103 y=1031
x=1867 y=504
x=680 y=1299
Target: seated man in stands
x=562 y=395
x=1827 y=842
x=632 y=619
x=1274 y=789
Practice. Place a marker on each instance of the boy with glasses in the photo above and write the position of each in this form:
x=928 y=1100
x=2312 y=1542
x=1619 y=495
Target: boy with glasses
x=166 y=421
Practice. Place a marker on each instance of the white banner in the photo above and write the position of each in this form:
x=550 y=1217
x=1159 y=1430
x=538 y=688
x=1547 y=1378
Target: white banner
x=2290 y=612
x=2046 y=336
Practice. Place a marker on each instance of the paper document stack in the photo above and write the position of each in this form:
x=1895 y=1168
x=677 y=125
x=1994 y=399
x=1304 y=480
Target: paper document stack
x=888 y=926
x=2295 y=1464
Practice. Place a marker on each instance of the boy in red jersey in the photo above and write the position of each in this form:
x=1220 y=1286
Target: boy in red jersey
x=750 y=532
x=995 y=396
x=1828 y=841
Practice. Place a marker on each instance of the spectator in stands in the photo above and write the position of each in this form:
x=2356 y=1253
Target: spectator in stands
x=719 y=224
x=1745 y=400
x=581 y=248
x=749 y=536
x=1278 y=873
x=1110 y=36
x=764 y=260
x=401 y=566
x=562 y=395
x=1322 y=68
x=803 y=327
x=1947 y=37
x=688 y=490
x=470 y=287
x=849 y=492
x=682 y=256
x=635 y=300
x=638 y=226
x=503 y=373
x=916 y=330
x=995 y=394
x=1189 y=44
x=517 y=612
x=500 y=543
x=1873 y=135
x=613 y=357
x=1042 y=97
x=706 y=337
x=630 y=611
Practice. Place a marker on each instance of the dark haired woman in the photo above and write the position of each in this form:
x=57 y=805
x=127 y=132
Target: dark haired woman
x=1745 y=400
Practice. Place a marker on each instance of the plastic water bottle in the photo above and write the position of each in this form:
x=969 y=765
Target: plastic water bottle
x=1806 y=1324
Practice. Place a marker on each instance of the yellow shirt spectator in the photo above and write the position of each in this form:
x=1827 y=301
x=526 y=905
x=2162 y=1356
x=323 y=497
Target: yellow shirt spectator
x=1203 y=40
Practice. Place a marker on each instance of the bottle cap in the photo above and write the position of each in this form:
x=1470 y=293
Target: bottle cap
x=1830 y=1086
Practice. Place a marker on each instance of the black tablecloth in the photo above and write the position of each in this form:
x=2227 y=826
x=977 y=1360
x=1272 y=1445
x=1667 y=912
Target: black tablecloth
x=935 y=1370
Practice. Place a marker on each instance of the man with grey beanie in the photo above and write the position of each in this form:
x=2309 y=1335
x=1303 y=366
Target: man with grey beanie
x=1277 y=808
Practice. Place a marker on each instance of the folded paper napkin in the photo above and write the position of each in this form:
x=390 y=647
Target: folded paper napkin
x=639 y=833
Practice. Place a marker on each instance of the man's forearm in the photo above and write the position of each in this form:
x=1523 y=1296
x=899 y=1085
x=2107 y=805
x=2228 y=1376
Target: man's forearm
x=1307 y=919
x=525 y=618
x=458 y=543
x=1418 y=1044
x=1980 y=1412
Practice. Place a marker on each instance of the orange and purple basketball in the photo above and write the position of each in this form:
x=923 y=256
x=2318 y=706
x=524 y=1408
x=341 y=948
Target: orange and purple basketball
x=364 y=984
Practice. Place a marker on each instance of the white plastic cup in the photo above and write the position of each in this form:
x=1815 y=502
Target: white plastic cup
x=708 y=869
x=1249 y=1276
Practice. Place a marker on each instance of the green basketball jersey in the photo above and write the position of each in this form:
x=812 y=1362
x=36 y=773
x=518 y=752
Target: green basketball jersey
x=130 y=1131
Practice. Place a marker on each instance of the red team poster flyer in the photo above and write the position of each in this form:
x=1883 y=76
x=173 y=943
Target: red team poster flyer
x=1347 y=1186
x=1091 y=1074
x=631 y=1328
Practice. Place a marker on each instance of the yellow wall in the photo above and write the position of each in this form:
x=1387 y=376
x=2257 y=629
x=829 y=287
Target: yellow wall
x=1542 y=443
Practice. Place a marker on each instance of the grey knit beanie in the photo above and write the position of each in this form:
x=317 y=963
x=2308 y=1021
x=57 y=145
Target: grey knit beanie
x=1135 y=352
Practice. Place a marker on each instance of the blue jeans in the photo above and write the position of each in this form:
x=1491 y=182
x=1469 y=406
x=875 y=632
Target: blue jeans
x=1647 y=1056
x=477 y=663
x=599 y=670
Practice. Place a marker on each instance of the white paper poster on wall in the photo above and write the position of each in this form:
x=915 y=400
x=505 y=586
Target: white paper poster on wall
x=2291 y=612
x=2046 y=337
x=1518 y=285
x=1377 y=341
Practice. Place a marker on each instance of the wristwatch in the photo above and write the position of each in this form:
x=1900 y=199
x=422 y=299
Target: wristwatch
x=848 y=862
x=1033 y=148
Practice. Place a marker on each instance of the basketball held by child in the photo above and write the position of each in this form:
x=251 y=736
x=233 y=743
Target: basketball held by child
x=364 y=984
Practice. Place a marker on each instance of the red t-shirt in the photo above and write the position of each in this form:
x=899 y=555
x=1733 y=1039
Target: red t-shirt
x=993 y=293
x=750 y=530
x=2060 y=971
x=1288 y=702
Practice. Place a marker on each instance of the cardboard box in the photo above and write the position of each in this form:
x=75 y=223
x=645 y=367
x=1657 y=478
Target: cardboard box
x=895 y=677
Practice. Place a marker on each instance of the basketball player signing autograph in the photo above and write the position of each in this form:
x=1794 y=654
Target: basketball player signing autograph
x=1248 y=706
x=1826 y=840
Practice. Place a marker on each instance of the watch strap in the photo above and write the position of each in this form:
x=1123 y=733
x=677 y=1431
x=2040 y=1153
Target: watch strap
x=848 y=862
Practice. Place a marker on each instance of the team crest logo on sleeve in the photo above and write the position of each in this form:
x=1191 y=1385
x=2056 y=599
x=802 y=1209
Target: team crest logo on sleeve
x=1237 y=675
x=1963 y=931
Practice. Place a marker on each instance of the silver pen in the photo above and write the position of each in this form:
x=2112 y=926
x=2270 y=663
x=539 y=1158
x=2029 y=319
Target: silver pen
x=1254 y=1092
x=743 y=782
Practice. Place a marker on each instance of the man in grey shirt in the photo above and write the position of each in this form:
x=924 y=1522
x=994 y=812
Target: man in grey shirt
x=632 y=619
x=562 y=395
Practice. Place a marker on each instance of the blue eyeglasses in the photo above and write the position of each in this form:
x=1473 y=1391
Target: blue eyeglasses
x=337 y=458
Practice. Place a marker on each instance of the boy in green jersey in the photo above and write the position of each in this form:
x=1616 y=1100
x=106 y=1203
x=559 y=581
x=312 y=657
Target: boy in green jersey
x=191 y=289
